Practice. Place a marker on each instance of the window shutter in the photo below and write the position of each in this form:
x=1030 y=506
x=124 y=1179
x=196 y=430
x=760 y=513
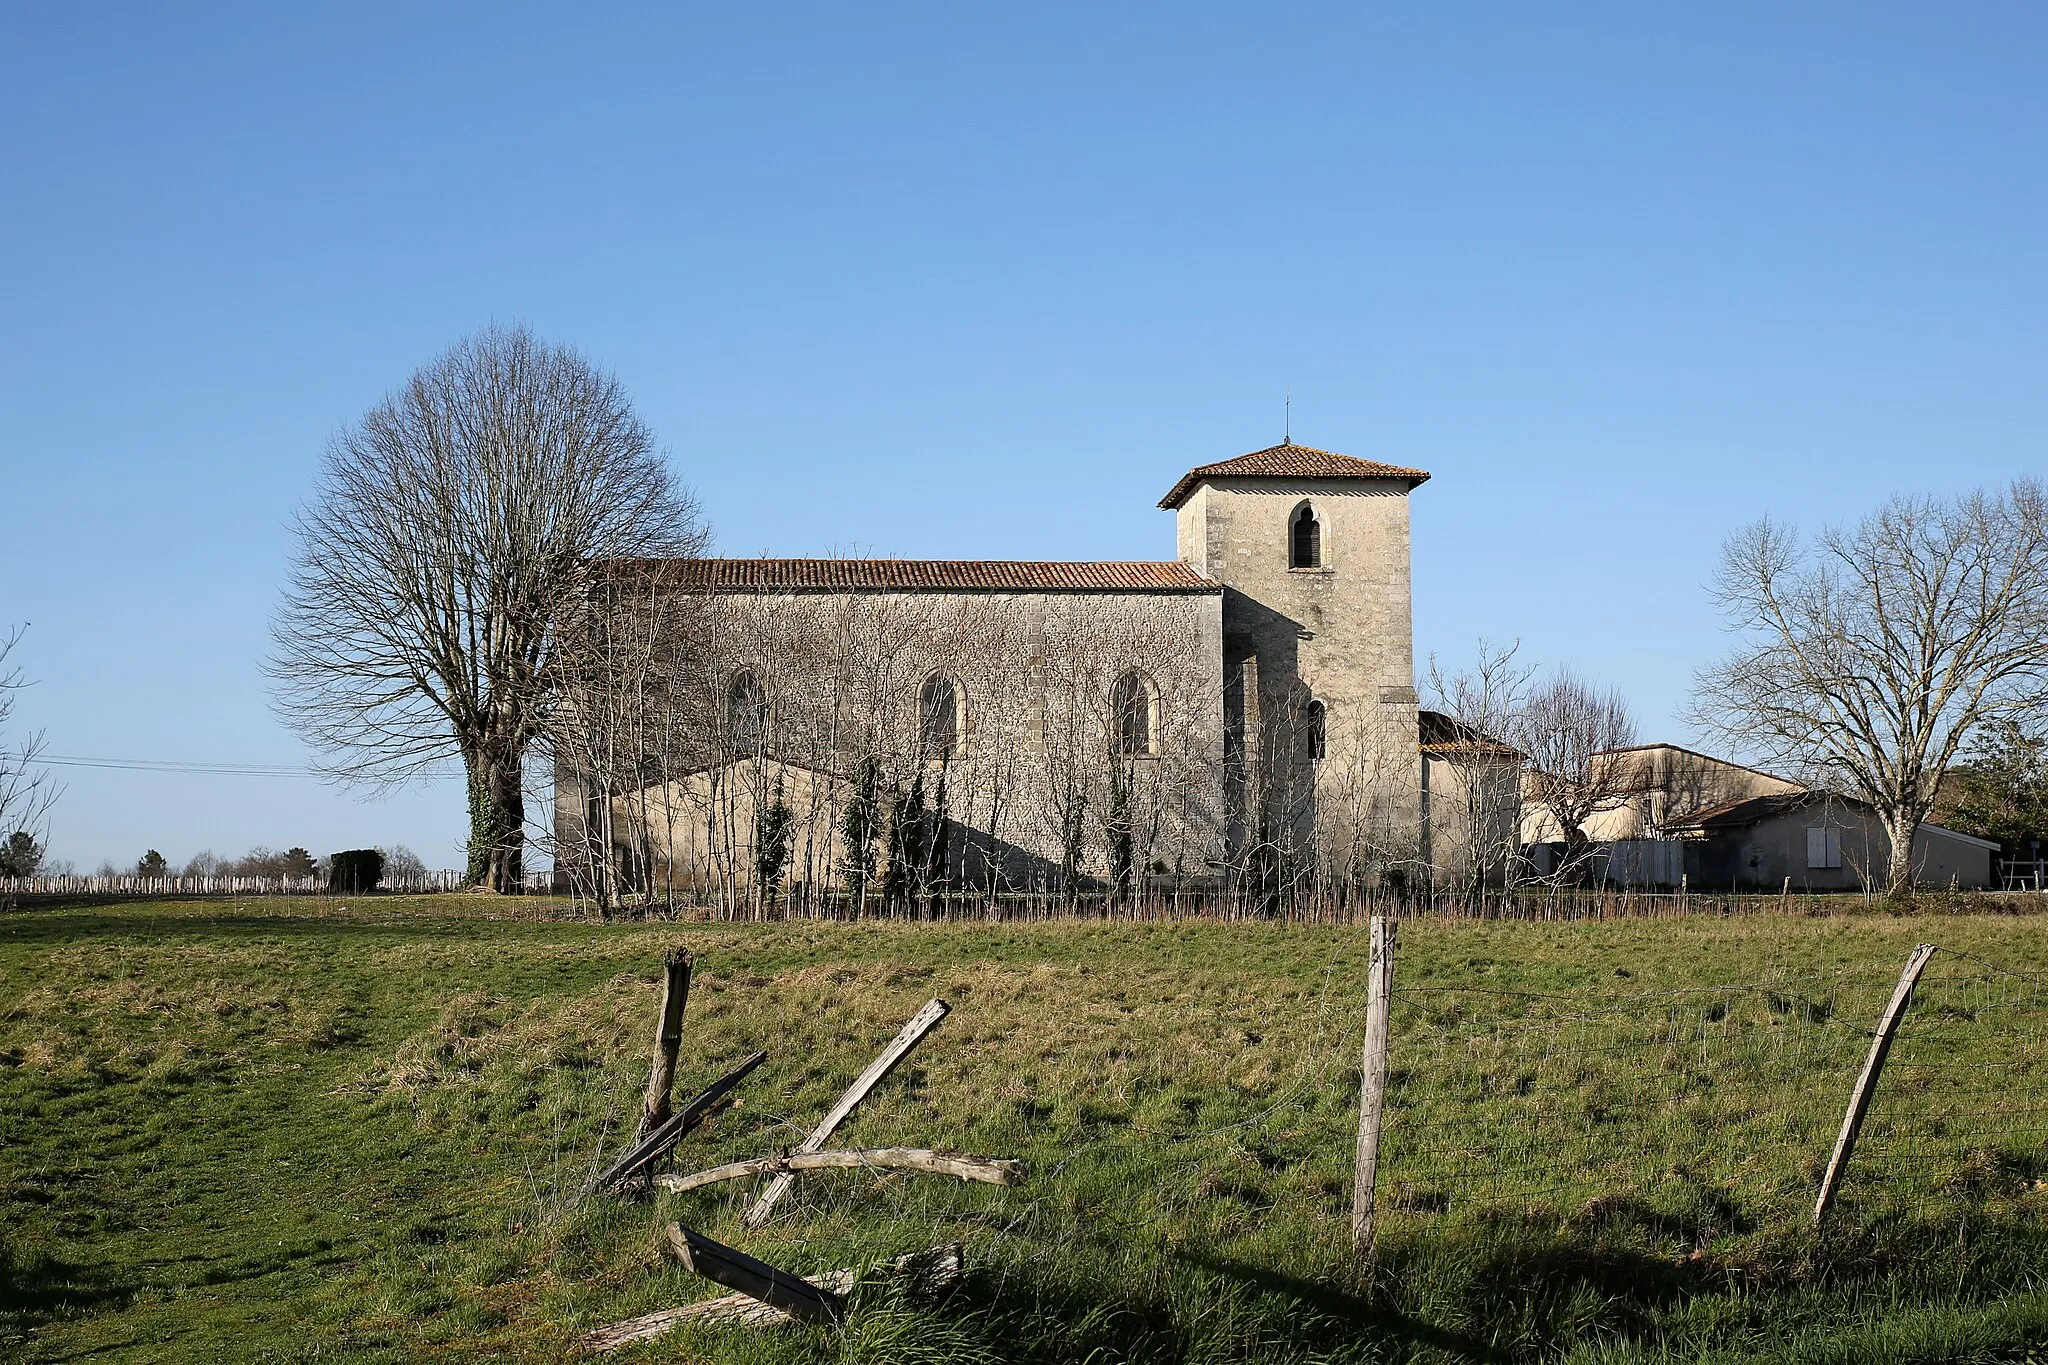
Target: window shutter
x=1816 y=848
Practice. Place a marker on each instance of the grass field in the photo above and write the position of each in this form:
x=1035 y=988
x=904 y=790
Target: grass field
x=278 y=1130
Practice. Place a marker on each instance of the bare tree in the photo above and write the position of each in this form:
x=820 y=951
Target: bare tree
x=1870 y=655
x=1473 y=823
x=401 y=864
x=1568 y=730
x=451 y=534
x=26 y=792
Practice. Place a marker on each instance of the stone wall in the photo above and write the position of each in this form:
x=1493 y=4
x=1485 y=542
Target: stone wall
x=1032 y=791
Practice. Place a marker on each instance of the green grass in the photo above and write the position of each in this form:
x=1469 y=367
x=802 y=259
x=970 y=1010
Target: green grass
x=268 y=1130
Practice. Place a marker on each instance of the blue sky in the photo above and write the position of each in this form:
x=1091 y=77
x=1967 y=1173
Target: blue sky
x=959 y=281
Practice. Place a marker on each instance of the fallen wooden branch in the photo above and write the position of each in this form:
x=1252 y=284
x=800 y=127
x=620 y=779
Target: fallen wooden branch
x=659 y=1142
x=938 y=1268
x=735 y=1269
x=913 y=1032
x=988 y=1170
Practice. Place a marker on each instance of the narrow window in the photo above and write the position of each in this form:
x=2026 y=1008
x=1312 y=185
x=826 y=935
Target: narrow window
x=1315 y=730
x=1307 y=540
x=938 y=717
x=1130 y=704
x=746 y=712
x=1823 y=848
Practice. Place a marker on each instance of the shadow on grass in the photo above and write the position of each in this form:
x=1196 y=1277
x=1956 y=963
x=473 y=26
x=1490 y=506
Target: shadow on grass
x=38 y=1289
x=1344 y=1312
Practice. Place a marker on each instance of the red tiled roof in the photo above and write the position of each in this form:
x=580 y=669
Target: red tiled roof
x=1290 y=462
x=1442 y=734
x=925 y=575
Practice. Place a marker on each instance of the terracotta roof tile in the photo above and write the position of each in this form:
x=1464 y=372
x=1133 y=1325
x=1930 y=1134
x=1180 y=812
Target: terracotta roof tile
x=1290 y=461
x=1442 y=734
x=925 y=575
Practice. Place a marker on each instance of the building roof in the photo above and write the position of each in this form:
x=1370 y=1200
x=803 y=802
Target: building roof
x=1289 y=462
x=923 y=575
x=1695 y=753
x=1752 y=810
x=1756 y=809
x=1443 y=734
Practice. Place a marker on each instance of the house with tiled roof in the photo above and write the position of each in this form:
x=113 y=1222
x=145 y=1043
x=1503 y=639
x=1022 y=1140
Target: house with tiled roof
x=1243 y=711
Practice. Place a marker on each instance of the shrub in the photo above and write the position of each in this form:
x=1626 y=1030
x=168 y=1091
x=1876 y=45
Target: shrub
x=356 y=871
x=21 y=855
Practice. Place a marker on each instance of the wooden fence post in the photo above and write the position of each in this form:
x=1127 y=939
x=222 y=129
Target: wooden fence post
x=1873 y=1065
x=1372 y=1081
x=668 y=1039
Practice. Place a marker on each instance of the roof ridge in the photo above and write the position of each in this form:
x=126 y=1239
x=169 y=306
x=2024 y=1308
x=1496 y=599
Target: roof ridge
x=1289 y=460
x=960 y=575
x=1711 y=758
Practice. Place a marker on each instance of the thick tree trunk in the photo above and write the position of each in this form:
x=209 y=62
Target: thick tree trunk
x=1575 y=866
x=497 y=823
x=1900 y=827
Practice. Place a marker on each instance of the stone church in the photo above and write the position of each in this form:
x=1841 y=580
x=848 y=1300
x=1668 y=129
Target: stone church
x=1245 y=712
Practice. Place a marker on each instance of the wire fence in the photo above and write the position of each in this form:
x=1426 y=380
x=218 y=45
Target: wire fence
x=1702 y=1112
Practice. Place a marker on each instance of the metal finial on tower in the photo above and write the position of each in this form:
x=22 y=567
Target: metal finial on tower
x=1287 y=421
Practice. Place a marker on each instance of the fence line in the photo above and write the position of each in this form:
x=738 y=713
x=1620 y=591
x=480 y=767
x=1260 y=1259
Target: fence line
x=1200 y=904
x=1349 y=908
x=130 y=885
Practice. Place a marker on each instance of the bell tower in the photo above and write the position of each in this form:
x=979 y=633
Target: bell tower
x=1318 y=656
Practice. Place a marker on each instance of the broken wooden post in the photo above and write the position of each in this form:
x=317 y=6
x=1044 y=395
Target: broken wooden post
x=668 y=1039
x=920 y=1024
x=988 y=1170
x=735 y=1269
x=935 y=1269
x=1866 y=1084
x=1372 y=1081
x=650 y=1148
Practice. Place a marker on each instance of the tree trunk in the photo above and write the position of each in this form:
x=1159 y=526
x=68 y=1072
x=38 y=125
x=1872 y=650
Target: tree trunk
x=497 y=823
x=1900 y=827
x=1575 y=865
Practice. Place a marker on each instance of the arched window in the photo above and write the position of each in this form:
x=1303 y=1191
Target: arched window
x=1134 y=707
x=938 y=717
x=1315 y=730
x=746 y=712
x=1305 y=540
